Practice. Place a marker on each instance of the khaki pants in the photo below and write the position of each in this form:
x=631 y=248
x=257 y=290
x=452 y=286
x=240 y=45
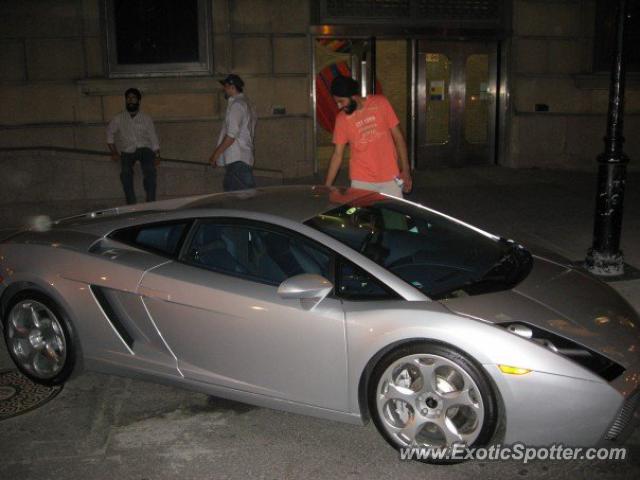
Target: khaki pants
x=390 y=188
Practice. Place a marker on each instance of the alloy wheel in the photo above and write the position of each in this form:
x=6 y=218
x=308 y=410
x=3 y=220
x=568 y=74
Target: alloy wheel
x=429 y=400
x=36 y=339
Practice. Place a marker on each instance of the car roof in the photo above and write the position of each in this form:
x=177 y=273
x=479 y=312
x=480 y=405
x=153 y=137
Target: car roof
x=296 y=203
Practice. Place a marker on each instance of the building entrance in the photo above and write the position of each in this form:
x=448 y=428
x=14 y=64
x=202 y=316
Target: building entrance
x=455 y=103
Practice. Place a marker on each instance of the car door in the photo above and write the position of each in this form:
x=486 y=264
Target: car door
x=219 y=310
x=116 y=328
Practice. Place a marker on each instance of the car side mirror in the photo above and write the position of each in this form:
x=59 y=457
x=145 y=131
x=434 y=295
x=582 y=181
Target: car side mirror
x=309 y=288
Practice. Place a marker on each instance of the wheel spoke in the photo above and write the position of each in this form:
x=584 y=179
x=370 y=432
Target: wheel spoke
x=35 y=318
x=428 y=372
x=15 y=325
x=462 y=398
x=450 y=432
x=53 y=337
x=21 y=332
x=31 y=360
x=395 y=393
x=21 y=348
x=429 y=375
x=412 y=429
x=465 y=398
x=40 y=363
x=51 y=352
x=56 y=329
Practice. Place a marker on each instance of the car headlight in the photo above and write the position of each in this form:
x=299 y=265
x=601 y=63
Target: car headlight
x=592 y=361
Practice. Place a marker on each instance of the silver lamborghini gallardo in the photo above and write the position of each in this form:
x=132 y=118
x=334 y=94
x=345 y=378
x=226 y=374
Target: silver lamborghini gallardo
x=338 y=303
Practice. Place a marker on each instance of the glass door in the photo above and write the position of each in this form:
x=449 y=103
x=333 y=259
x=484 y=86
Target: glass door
x=456 y=103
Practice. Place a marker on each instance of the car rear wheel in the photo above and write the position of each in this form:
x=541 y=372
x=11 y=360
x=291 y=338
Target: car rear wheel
x=39 y=338
x=429 y=395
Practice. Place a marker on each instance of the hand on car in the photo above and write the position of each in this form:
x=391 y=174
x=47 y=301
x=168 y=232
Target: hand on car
x=408 y=181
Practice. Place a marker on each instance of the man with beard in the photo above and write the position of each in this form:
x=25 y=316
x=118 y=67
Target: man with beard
x=371 y=128
x=234 y=150
x=131 y=137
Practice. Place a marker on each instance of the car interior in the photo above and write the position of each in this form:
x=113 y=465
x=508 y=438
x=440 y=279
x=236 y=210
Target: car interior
x=431 y=252
x=259 y=253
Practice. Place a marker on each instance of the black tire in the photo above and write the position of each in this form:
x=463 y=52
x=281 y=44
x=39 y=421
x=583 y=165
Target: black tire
x=486 y=403
x=64 y=330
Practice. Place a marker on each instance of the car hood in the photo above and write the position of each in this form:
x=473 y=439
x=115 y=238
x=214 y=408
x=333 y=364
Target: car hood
x=567 y=302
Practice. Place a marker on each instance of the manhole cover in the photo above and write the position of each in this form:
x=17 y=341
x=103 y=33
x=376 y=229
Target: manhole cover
x=18 y=394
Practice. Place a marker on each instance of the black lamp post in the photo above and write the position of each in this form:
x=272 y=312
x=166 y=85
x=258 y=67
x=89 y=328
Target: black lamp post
x=605 y=257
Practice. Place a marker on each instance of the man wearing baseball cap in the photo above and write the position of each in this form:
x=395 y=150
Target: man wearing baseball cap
x=234 y=150
x=371 y=128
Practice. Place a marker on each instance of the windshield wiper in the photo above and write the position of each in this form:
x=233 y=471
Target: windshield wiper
x=511 y=268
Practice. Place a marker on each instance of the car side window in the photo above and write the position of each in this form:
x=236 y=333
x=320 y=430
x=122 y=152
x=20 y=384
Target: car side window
x=162 y=238
x=261 y=254
x=353 y=283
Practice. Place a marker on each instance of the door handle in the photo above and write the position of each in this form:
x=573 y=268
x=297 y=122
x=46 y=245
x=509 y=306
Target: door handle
x=152 y=293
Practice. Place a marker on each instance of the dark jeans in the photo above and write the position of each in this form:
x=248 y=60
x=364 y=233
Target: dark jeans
x=147 y=158
x=238 y=176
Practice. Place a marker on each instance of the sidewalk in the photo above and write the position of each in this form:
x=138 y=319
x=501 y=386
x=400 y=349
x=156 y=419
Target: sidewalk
x=108 y=427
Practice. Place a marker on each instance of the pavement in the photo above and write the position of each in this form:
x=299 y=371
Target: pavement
x=108 y=427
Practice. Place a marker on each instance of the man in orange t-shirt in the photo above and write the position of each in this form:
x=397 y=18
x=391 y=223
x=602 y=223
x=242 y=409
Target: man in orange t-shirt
x=370 y=127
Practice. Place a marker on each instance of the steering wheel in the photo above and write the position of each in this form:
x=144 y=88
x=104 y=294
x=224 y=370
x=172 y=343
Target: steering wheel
x=373 y=238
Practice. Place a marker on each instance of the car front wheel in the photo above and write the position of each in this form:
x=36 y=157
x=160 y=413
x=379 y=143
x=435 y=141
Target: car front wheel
x=432 y=396
x=39 y=338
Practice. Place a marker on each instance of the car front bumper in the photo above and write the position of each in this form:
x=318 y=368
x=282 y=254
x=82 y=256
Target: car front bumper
x=544 y=409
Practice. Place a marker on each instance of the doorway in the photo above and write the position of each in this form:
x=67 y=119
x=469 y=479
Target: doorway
x=350 y=57
x=456 y=117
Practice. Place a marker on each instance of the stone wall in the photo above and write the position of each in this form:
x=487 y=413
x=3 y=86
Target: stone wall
x=551 y=64
x=54 y=90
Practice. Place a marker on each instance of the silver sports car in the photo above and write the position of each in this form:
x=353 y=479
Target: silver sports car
x=339 y=303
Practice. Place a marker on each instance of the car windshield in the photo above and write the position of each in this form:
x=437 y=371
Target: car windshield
x=437 y=254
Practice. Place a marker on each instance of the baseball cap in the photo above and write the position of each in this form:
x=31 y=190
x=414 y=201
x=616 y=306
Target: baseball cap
x=233 y=79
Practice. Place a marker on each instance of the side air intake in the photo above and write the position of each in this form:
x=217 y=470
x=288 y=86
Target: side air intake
x=112 y=316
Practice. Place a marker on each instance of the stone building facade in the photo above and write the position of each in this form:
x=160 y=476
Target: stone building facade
x=56 y=93
x=552 y=63
x=55 y=90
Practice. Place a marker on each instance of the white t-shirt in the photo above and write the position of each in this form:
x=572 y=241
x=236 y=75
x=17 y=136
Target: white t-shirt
x=240 y=124
x=130 y=133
